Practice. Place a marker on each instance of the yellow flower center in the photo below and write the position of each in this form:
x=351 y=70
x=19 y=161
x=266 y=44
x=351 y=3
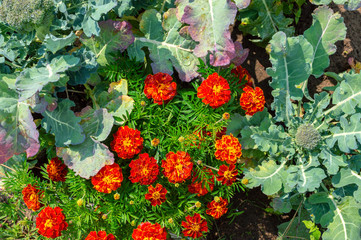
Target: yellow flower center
x=145 y=171
x=156 y=195
x=127 y=143
x=217 y=88
x=162 y=87
x=195 y=227
x=228 y=174
x=179 y=168
x=48 y=223
x=109 y=179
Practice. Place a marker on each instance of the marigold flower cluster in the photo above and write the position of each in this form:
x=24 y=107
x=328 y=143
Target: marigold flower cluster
x=241 y=73
x=228 y=149
x=177 y=166
x=146 y=230
x=227 y=175
x=31 y=197
x=160 y=87
x=101 y=235
x=194 y=226
x=217 y=208
x=215 y=91
x=50 y=222
x=199 y=186
x=252 y=100
x=56 y=170
x=144 y=170
x=127 y=142
x=108 y=179
x=156 y=195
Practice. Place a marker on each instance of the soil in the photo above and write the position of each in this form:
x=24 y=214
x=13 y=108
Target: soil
x=255 y=223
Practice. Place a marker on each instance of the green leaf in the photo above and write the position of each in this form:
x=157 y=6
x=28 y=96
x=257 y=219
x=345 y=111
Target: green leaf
x=167 y=48
x=63 y=124
x=114 y=36
x=346 y=177
x=34 y=79
x=332 y=162
x=209 y=23
x=283 y=106
x=8 y=98
x=327 y=28
x=321 y=208
x=88 y=65
x=97 y=123
x=314 y=109
x=269 y=175
x=348 y=135
x=119 y=108
x=241 y=4
x=271 y=140
x=295 y=229
x=54 y=44
x=346 y=224
x=304 y=178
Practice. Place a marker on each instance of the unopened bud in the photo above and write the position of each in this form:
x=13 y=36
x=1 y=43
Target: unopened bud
x=198 y=204
x=244 y=181
x=176 y=185
x=199 y=162
x=104 y=216
x=170 y=220
x=181 y=139
x=116 y=196
x=142 y=103
x=132 y=223
x=154 y=142
x=226 y=116
x=217 y=199
x=131 y=202
x=80 y=202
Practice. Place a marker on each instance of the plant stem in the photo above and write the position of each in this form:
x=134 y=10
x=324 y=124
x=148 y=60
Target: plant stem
x=8 y=167
x=324 y=187
x=162 y=8
x=12 y=64
x=293 y=218
x=91 y=95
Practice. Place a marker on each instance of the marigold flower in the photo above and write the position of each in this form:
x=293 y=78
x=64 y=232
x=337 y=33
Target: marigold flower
x=146 y=230
x=56 y=170
x=156 y=194
x=51 y=222
x=243 y=73
x=177 y=166
x=108 y=179
x=252 y=100
x=214 y=90
x=227 y=175
x=154 y=142
x=127 y=142
x=194 y=226
x=101 y=235
x=116 y=196
x=160 y=87
x=31 y=197
x=228 y=149
x=199 y=186
x=144 y=170
x=217 y=209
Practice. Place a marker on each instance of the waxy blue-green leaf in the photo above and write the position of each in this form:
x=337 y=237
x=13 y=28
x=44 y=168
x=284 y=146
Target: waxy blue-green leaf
x=321 y=207
x=97 y=123
x=346 y=224
x=349 y=4
x=347 y=135
x=119 y=107
x=268 y=175
x=283 y=106
x=346 y=177
x=327 y=28
x=87 y=65
x=32 y=80
x=167 y=48
x=63 y=124
x=314 y=109
x=305 y=179
x=332 y=162
x=8 y=98
x=54 y=44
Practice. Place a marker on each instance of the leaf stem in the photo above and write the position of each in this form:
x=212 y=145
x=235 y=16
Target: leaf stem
x=12 y=64
x=324 y=187
x=91 y=95
x=293 y=218
x=8 y=167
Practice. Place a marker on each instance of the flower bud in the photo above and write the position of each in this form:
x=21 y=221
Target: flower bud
x=80 y=202
x=199 y=162
x=131 y=202
x=226 y=116
x=154 y=142
x=217 y=199
x=142 y=103
x=132 y=223
x=181 y=139
x=198 y=204
x=170 y=220
x=116 y=196
x=104 y=216
x=244 y=181
x=176 y=185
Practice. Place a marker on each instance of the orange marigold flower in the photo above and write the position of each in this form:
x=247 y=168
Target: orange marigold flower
x=51 y=222
x=56 y=170
x=146 y=230
x=156 y=194
x=194 y=226
x=31 y=197
x=127 y=142
x=214 y=91
x=227 y=175
x=144 y=170
x=199 y=186
x=228 y=149
x=217 y=209
x=252 y=100
x=243 y=73
x=160 y=87
x=108 y=179
x=177 y=166
x=101 y=235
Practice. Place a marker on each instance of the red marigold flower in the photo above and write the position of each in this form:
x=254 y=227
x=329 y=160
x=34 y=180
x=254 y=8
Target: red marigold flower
x=214 y=91
x=108 y=179
x=199 y=186
x=194 y=226
x=177 y=166
x=127 y=142
x=51 y=222
x=56 y=170
x=144 y=170
x=243 y=73
x=217 y=209
x=227 y=175
x=146 y=230
x=156 y=194
x=228 y=149
x=252 y=100
x=31 y=197
x=160 y=87
x=101 y=235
